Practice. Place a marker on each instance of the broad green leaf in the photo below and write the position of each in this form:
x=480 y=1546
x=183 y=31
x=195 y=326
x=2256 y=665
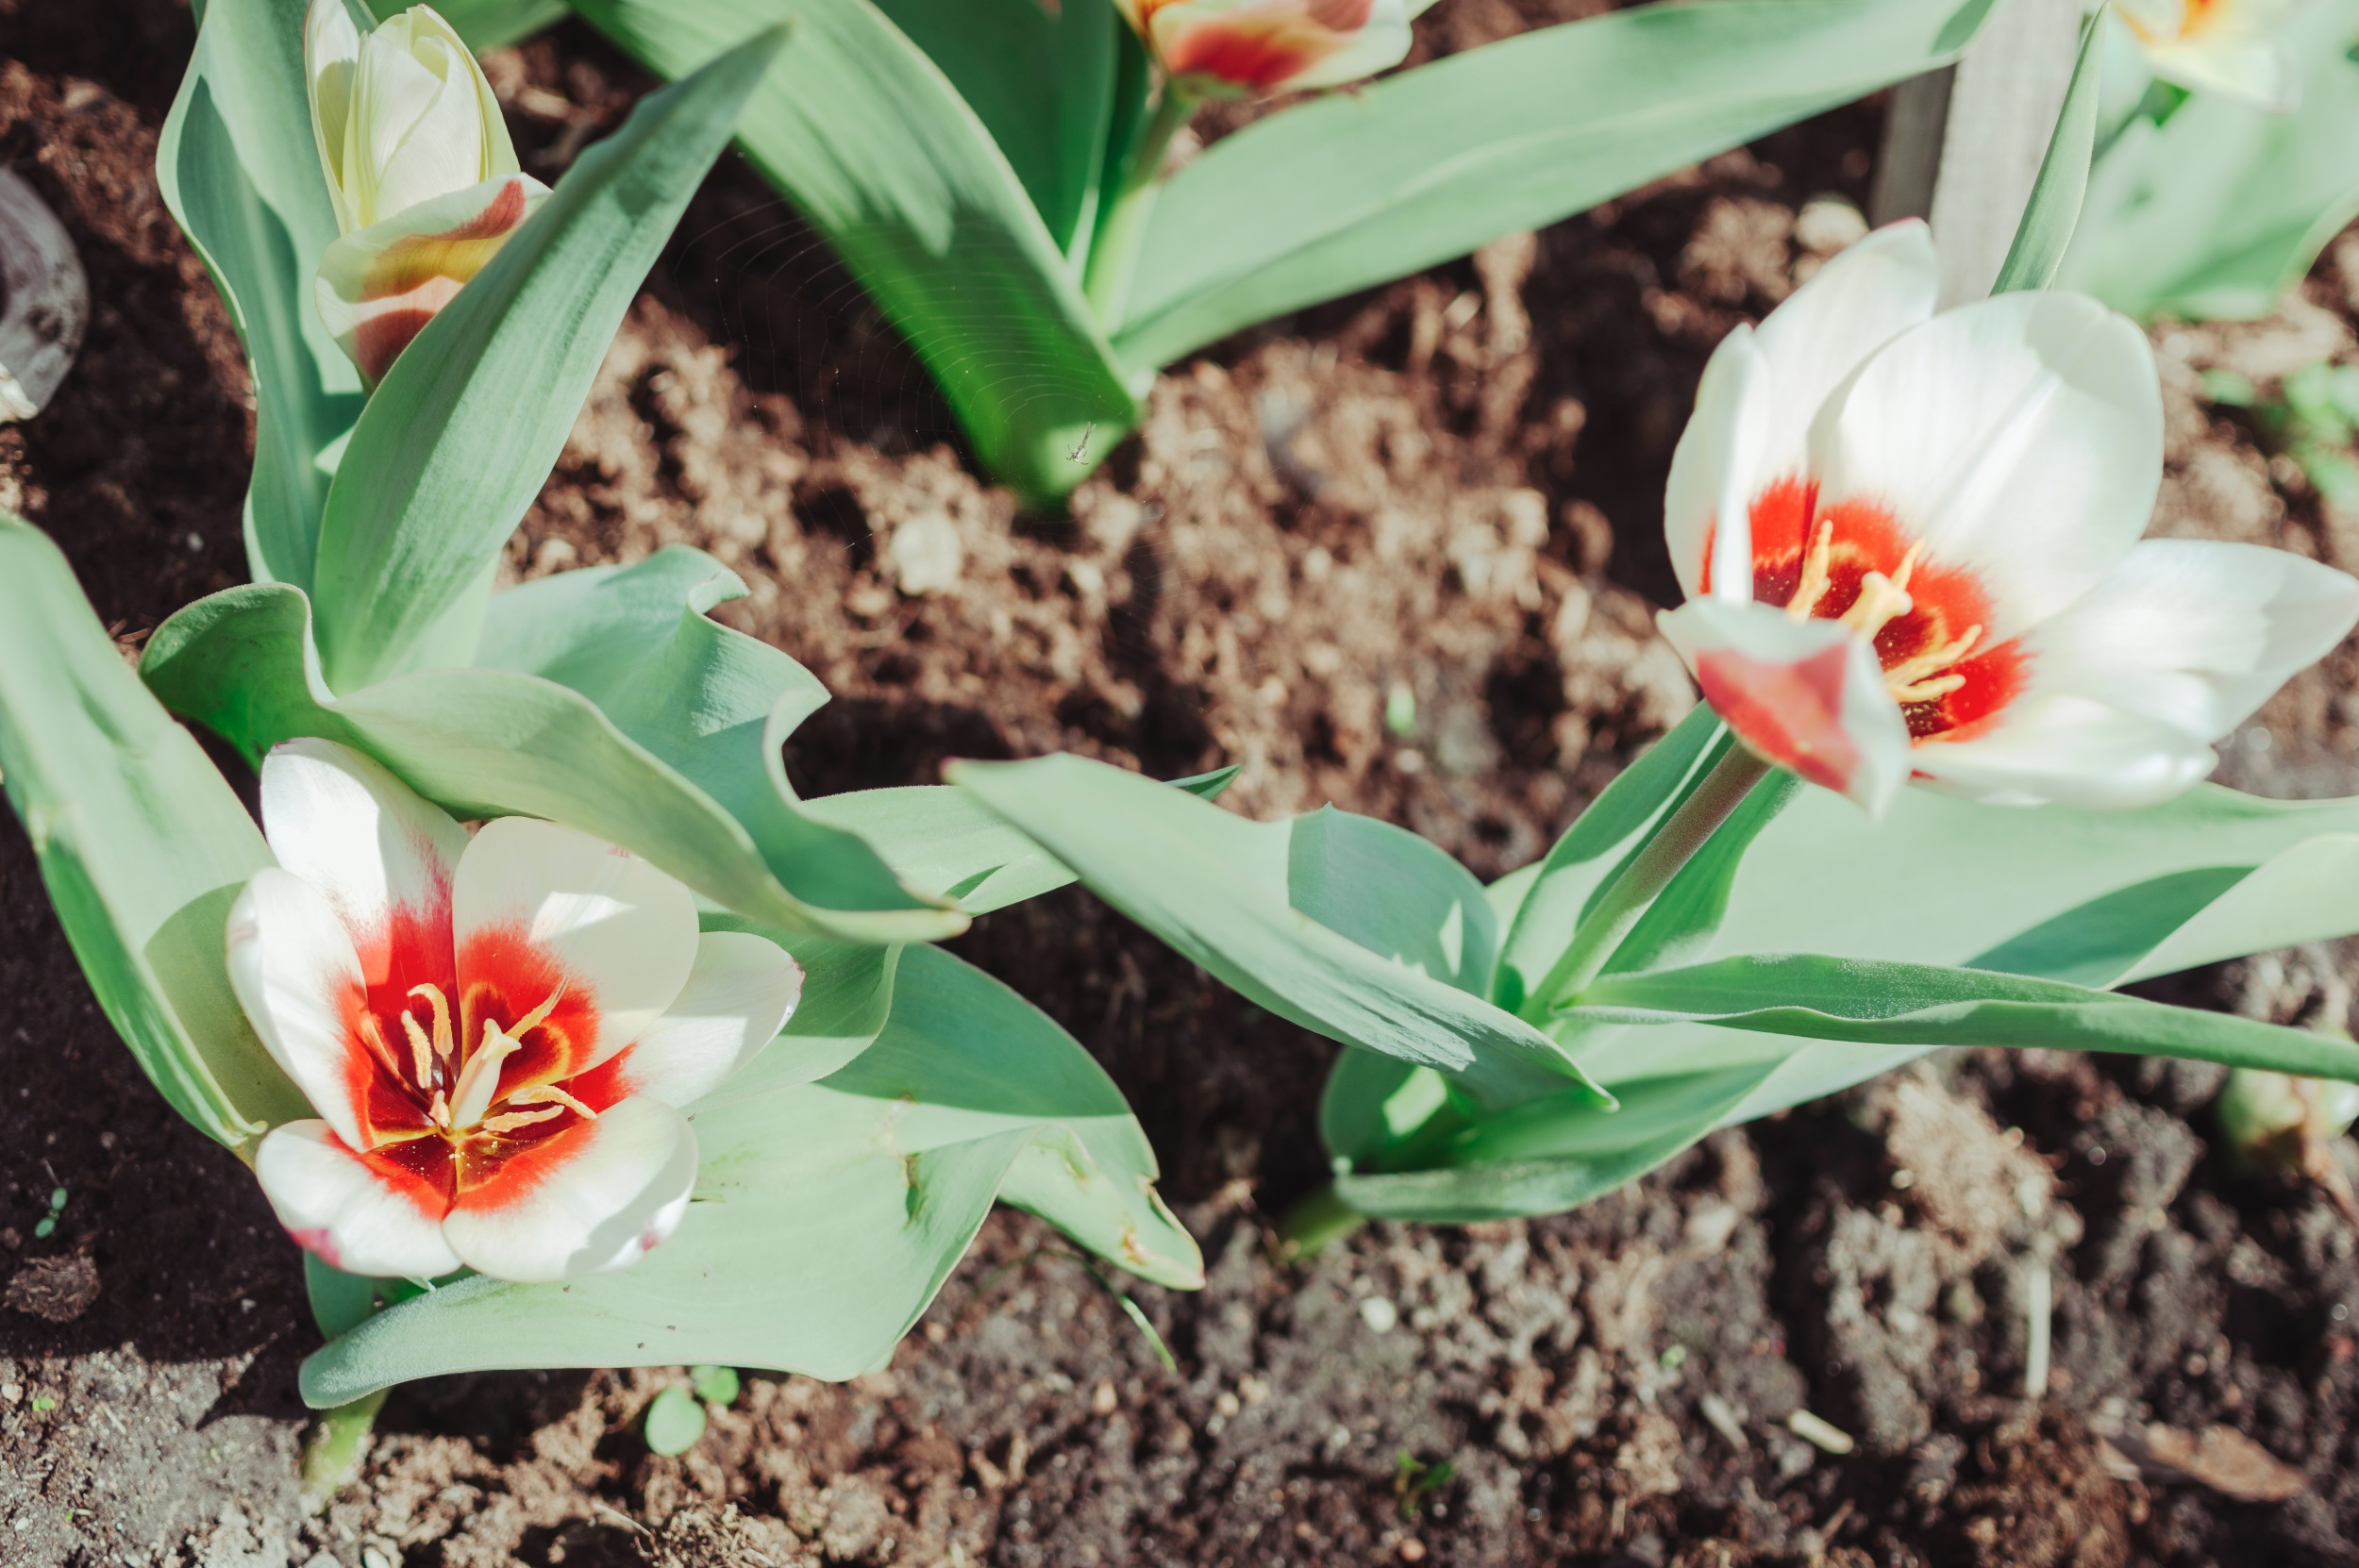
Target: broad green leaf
x=2054 y=209
x=713 y=703
x=237 y=167
x=1216 y=888
x=1002 y=56
x=1088 y=57
x=1551 y=900
x=1551 y=1155
x=941 y=841
x=2121 y=894
x=488 y=24
x=1819 y=997
x=1394 y=894
x=1359 y=187
x=826 y=1214
x=673 y=1422
x=2221 y=207
x=874 y=147
x=490 y=742
x=458 y=437
x=143 y=844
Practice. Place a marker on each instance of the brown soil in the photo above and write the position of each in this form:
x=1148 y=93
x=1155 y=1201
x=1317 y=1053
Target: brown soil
x=1447 y=488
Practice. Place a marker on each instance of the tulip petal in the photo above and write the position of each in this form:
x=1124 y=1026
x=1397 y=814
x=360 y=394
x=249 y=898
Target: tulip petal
x=2195 y=633
x=364 y=1215
x=2258 y=69
x=295 y=974
x=2070 y=751
x=1379 y=44
x=594 y=1197
x=1807 y=695
x=737 y=999
x=1858 y=302
x=2020 y=438
x=383 y=855
x=331 y=54
x=377 y=288
x=623 y=933
x=1716 y=469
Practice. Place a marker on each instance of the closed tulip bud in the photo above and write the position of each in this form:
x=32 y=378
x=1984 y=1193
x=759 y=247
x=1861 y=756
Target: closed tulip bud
x=1248 y=47
x=420 y=170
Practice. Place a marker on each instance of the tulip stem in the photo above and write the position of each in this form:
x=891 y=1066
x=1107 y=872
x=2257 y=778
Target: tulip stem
x=1115 y=256
x=1314 y=1223
x=333 y=1448
x=1673 y=844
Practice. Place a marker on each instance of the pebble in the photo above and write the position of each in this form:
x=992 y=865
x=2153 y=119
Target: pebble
x=1379 y=1314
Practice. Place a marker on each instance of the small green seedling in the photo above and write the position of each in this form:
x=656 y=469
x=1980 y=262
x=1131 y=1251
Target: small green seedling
x=44 y=1403
x=717 y=1385
x=674 y=1421
x=1412 y=1479
x=48 y=1223
x=2313 y=420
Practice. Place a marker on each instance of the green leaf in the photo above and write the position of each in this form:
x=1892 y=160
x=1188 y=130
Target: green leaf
x=1217 y=887
x=847 y=998
x=239 y=171
x=1395 y=894
x=943 y=841
x=1354 y=189
x=1550 y=902
x=488 y=24
x=2054 y=209
x=1002 y=56
x=458 y=437
x=826 y=1215
x=1856 y=1000
x=713 y=703
x=1551 y=1155
x=874 y=147
x=2220 y=209
x=714 y=1385
x=142 y=845
x=491 y=743
x=674 y=1423
x=1089 y=40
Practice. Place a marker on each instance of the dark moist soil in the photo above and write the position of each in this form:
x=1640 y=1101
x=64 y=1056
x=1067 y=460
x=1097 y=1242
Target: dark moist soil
x=1443 y=492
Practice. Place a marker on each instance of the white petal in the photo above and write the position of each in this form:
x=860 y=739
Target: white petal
x=618 y=925
x=1379 y=45
x=737 y=999
x=2071 y=751
x=1808 y=695
x=296 y=976
x=2195 y=633
x=596 y=1196
x=499 y=151
x=2250 y=66
x=347 y=826
x=2020 y=438
x=1854 y=306
x=442 y=149
x=360 y=1216
x=331 y=50
x=1717 y=470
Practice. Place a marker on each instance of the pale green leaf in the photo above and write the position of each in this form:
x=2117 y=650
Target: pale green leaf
x=2054 y=209
x=673 y=1422
x=143 y=844
x=1865 y=1002
x=491 y=743
x=1357 y=188
x=2222 y=208
x=1216 y=888
x=238 y=169
x=874 y=147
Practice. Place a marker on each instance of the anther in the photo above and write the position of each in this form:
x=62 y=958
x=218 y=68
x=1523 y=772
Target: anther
x=1814 y=584
x=478 y=1083
x=1908 y=565
x=373 y=1034
x=1909 y=672
x=539 y=1015
x=548 y=1093
x=1924 y=690
x=513 y=1119
x=445 y=1045
x=421 y=1050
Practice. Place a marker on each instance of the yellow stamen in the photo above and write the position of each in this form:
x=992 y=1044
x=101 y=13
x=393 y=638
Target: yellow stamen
x=444 y=1044
x=373 y=1035
x=1924 y=690
x=548 y=1093
x=521 y=1119
x=539 y=1015
x=1814 y=584
x=438 y=1112
x=1880 y=601
x=1908 y=565
x=1931 y=662
x=421 y=1051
